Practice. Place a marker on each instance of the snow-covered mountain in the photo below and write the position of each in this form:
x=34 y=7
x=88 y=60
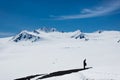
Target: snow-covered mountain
x=25 y=35
x=79 y=35
x=46 y=29
x=43 y=52
x=42 y=32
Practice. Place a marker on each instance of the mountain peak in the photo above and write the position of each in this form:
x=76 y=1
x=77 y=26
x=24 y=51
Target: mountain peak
x=45 y=29
x=24 y=36
x=79 y=35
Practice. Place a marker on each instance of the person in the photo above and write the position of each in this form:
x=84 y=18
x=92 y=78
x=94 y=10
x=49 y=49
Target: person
x=84 y=64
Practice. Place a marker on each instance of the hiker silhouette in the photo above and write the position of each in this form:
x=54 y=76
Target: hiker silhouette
x=84 y=64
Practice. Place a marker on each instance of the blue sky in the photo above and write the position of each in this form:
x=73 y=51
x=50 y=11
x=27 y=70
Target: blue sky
x=67 y=15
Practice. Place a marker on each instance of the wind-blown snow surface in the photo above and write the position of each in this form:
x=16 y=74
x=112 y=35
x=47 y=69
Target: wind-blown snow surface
x=57 y=51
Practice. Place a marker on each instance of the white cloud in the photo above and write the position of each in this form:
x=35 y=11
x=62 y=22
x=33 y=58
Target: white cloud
x=94 y=12
x=85 y=11
x=4 y=34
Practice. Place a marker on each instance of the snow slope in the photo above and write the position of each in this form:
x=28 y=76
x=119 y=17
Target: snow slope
x=57 y=51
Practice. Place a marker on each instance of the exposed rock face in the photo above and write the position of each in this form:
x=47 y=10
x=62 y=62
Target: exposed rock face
x=118 y=41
